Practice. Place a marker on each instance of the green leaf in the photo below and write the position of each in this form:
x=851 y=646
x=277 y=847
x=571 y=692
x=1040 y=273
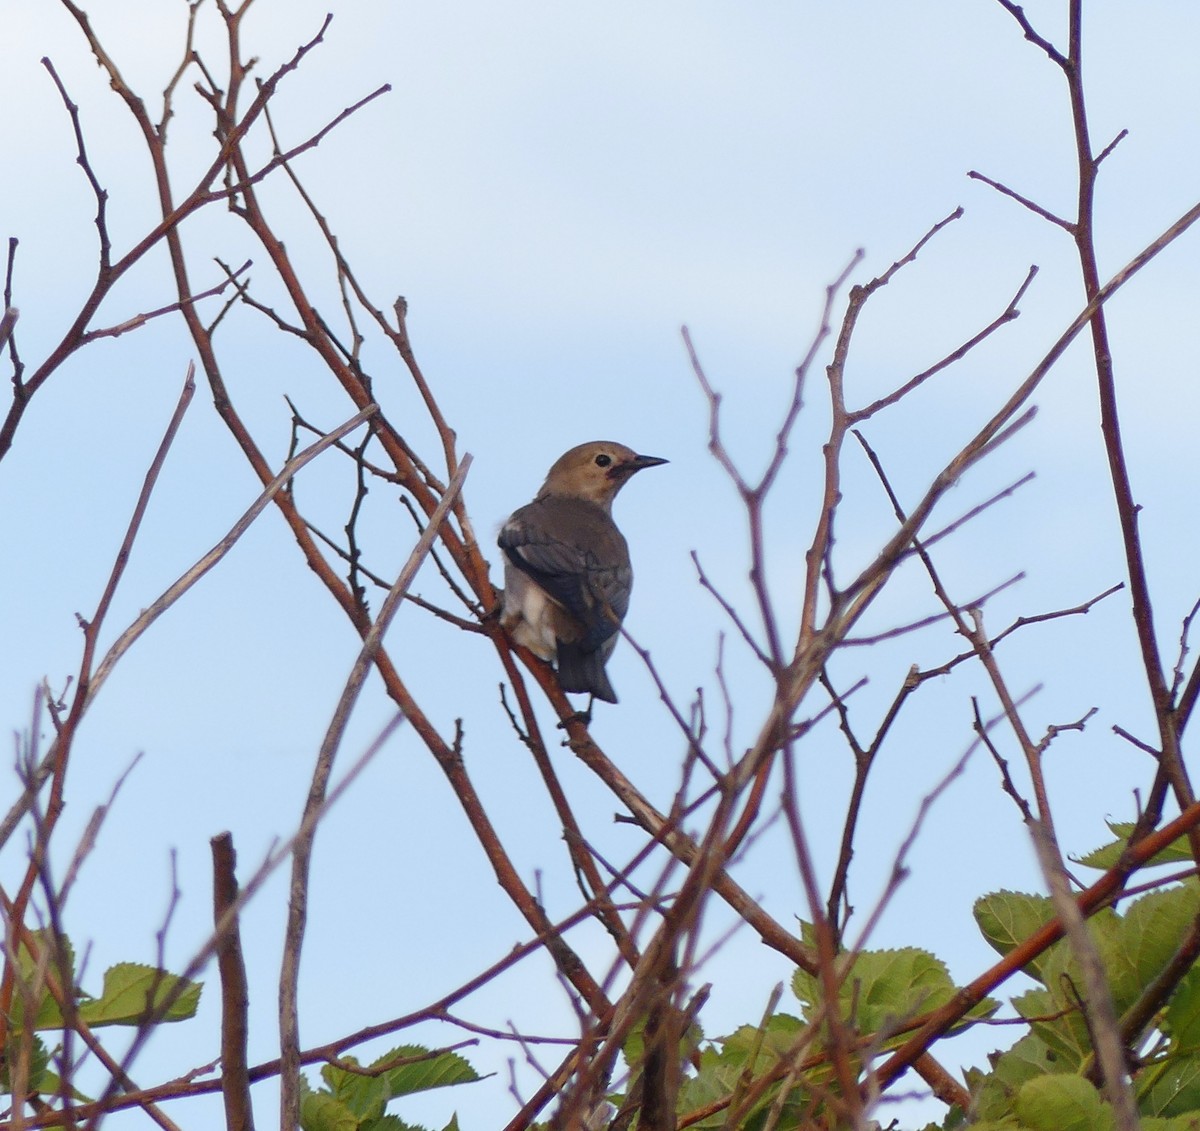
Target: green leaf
x=47 y=1014
x=885 y=987
x=1176 y=1088
x=366 y=1094
x=1178 y=1123
x=1182 y=1021
x=1063 y=1103
x=42 y=939
x=1057 y=1023
x=128 y=988
x=362 y=1096
x=994 y=1095
x=1151 y=931
x=440 y=1071
x=40 y=1080
x=1134 y=948
x=1108 y=855
x=714 y=1080
x=365 y=1097
x=131 y=990
x=319 y=1111
x=1007 y=918
x=1054 y=1011
x=720 y=1074
x=778 y=1038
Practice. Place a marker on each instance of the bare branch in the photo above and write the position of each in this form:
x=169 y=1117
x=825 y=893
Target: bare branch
x=1045 y=213
x=206 y=563
x=1018 y=14
x=1009 y=313
x=1111 y=146
x=235 y=994
x=139 y=320
x=85 y=164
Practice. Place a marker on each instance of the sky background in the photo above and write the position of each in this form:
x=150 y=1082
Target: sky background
x=556 y=189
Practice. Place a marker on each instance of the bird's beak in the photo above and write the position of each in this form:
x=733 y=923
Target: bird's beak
x=621 y=472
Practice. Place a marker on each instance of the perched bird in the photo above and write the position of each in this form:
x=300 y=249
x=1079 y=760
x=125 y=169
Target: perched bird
x=567 y=576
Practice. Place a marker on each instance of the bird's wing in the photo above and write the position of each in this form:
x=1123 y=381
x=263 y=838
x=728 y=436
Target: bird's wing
x=578 y=558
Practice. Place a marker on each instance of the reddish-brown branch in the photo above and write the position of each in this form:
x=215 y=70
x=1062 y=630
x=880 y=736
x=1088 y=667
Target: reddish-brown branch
x=235 y=994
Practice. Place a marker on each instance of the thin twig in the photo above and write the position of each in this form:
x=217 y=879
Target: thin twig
x=1033 y=206
x=189 y=578
x=1008 y=314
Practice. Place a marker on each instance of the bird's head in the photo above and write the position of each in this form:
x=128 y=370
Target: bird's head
x=595 y=471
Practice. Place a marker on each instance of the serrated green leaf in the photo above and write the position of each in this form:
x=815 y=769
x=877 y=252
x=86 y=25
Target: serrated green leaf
x=1134 y=948
x=440 y=1071
x=47 y=1014
x=319 y=1111
x=39 y=1079
x=1057 y=1022
x=720 y=1075
x=1063 y=1103
x=1058 y=969
x=884 y=987
x=42 y=939
x=1151 y=931
x=1109 y=855
x=995 y=1093
x=779 y=1037
x=365 y=1094
x=1177 y=1123
x=1183 y=1013
x=1175 y=1089
x=365 y=1097
x=131 y=990
x=713 y=1080
x=1006 y=918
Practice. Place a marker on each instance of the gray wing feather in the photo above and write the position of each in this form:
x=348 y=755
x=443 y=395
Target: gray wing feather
x=573 y=550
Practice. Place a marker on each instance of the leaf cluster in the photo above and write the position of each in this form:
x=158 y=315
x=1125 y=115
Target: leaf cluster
x=1049 y=1077
x=133 y=994
x=355 y=1098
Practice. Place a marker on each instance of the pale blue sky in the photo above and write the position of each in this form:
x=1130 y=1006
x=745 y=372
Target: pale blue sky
x=556 y=189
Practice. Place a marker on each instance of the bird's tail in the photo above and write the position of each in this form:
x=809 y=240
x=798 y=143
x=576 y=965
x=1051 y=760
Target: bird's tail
x=583 y=671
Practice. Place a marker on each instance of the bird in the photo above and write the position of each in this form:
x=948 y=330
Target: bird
x=567 y=575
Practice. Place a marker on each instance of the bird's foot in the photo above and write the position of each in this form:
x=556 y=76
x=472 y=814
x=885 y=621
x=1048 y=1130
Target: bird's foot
x=584 y=716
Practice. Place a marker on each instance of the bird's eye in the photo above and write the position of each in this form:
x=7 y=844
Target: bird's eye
x=603 y=460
